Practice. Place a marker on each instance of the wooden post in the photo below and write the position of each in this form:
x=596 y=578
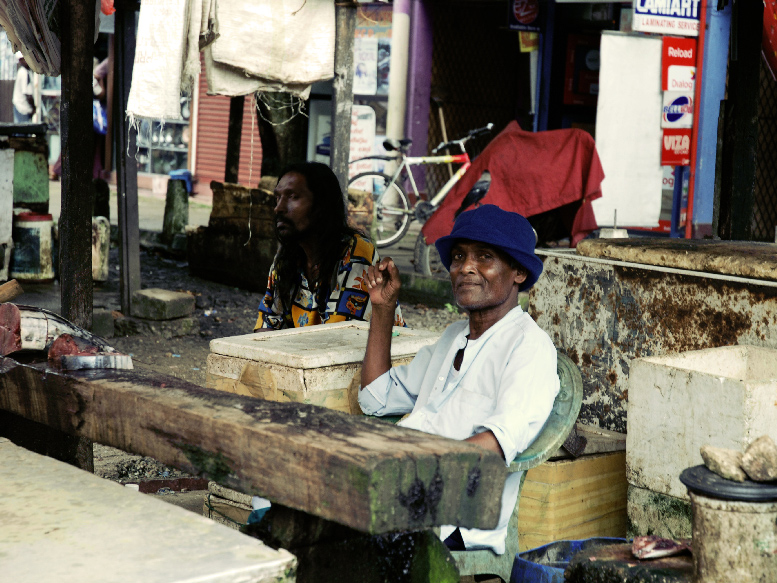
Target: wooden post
x=126 y=166
x=75 y=223
x=234 y=136
x=176 y=211
x=342 y=96
x=76 y=19
x=741 y=148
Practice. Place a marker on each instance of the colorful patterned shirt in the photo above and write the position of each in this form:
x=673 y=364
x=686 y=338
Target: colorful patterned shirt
x=348 y=300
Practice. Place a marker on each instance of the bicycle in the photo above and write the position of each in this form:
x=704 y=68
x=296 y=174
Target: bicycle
x=392 y=209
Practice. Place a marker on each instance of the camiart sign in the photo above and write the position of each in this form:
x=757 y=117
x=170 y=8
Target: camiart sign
x=667 y=16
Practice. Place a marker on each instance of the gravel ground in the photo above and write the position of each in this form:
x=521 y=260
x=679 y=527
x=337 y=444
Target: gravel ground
x=222 y=311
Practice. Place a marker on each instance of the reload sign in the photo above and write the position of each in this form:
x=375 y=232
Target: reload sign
x=667 y=16
x=678 y=64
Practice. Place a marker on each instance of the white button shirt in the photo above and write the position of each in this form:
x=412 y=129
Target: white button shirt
x=506 y=383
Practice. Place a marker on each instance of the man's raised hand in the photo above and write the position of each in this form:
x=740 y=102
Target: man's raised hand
x=382 y=283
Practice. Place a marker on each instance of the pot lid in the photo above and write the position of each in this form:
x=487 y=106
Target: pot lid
x=700 y=480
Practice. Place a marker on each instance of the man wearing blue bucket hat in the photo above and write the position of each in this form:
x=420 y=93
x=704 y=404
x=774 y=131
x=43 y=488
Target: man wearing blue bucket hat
x=490 y=380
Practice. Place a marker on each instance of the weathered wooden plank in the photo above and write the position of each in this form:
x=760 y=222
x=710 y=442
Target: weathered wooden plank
x=571 y=499
x=363 y=473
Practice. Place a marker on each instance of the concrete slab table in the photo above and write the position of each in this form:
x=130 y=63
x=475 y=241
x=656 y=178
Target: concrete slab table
x=318 y=365
x=62 y=524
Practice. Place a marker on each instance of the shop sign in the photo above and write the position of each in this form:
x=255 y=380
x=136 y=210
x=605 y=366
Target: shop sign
x=362 y=138
x=679 y=17
x=524 y=15
x=678 y=64
x=677 y=111
x=365 y=65
x=676 y=147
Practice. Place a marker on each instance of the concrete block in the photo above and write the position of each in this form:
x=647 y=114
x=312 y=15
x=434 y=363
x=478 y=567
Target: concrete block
x=651 y=513
x=318 y=346
x=722 y=397
x=604 y=313
x=161 y=304
x=102 y=323
x=319 y=365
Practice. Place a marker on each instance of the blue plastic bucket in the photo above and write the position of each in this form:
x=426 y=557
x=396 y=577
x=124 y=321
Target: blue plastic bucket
x=546 y=564
x=184 y=175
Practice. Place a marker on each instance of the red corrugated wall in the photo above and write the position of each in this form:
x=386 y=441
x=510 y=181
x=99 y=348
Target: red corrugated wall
x=212 y=124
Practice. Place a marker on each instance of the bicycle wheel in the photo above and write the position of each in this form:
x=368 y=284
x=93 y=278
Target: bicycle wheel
x=392 y=214
x=426 y=259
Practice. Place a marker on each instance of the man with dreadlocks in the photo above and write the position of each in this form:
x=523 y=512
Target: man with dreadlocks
x=318 y=274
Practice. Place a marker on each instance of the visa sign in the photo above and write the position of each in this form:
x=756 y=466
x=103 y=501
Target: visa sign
x=667 y=16
x=676 y=148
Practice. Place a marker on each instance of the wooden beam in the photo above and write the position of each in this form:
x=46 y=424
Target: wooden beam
x=234 y=137
x=342 y=94
x=126 y=165
x=363 y=473
x=76 y=18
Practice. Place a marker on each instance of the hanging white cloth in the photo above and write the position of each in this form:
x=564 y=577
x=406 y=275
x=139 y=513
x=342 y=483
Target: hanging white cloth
x=159 y=55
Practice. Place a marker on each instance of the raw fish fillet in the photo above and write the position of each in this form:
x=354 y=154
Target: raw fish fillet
x=654 y=547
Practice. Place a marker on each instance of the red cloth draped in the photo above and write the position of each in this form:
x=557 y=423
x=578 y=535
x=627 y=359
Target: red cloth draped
x=531 y=172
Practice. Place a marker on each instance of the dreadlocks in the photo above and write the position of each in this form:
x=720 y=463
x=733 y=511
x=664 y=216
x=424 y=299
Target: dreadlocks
x=329 y=227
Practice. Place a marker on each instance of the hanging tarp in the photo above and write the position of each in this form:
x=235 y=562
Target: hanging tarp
x=159 y=56
x=272 y=45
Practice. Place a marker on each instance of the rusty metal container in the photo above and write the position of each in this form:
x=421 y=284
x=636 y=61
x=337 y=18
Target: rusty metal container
x=33 y=253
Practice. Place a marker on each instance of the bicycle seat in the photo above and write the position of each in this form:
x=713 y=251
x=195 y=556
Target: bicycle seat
x=391 y=145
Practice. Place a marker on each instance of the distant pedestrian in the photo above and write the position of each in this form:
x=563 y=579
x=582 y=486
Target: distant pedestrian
x=23 y=99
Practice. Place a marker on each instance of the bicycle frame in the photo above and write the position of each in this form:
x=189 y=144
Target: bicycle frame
x=408 y=161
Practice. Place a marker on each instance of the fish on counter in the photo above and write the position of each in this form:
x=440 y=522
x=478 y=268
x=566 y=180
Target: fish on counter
x=655 y=547
x=68 y=346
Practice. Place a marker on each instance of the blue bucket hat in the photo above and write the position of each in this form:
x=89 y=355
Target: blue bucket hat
x=509 y=232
